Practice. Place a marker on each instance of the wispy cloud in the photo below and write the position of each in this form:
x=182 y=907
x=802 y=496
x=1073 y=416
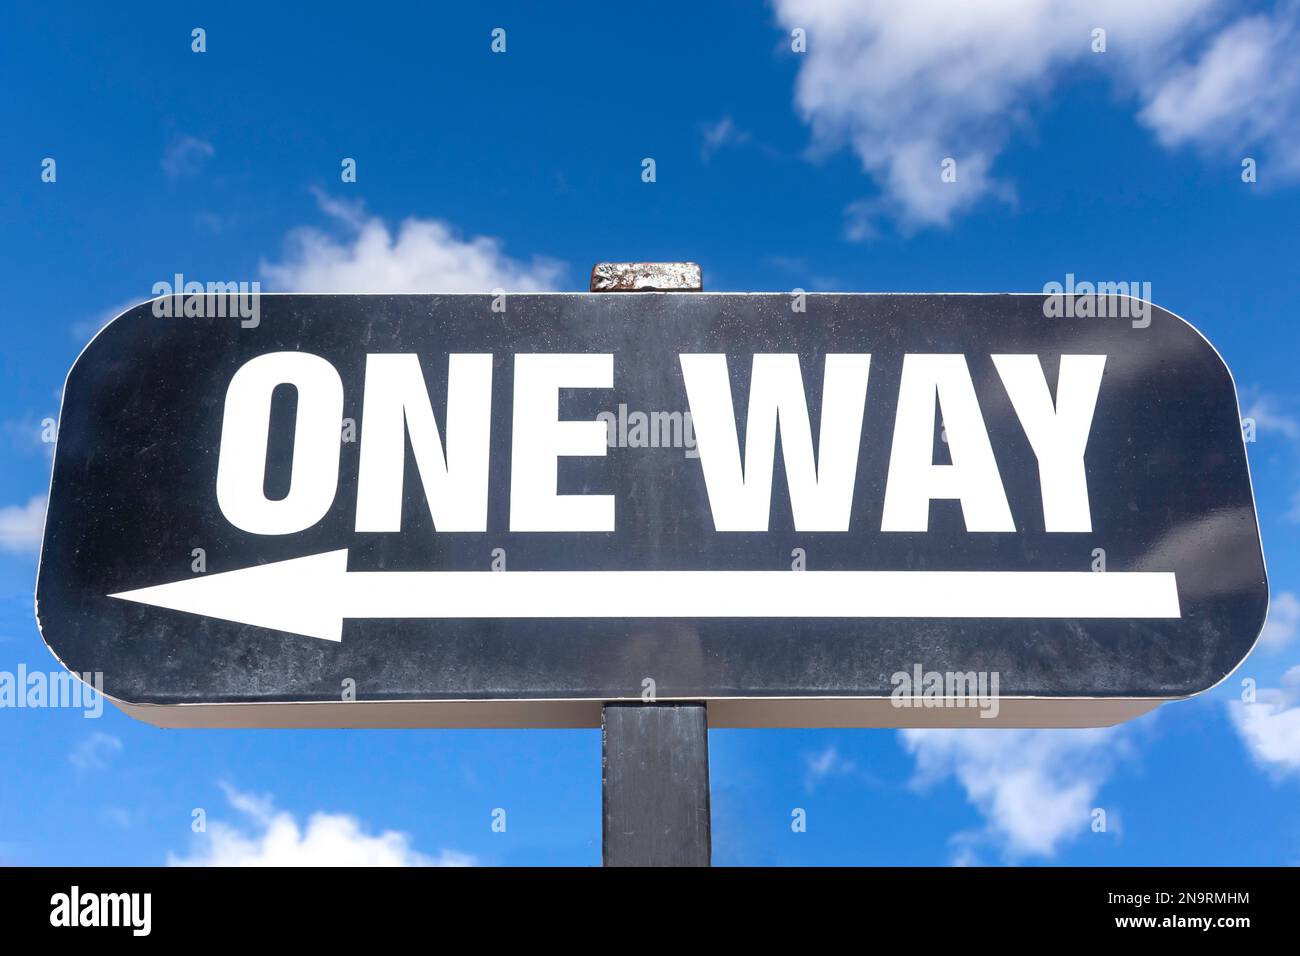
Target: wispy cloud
x=95 y=752
x=184 y=156
x=720 y=134
x=804 y=275
x=1283 y=621
x=1272 y=419
x=825 y=764
x=28 y=435
x=119 y=817
x=85 y=329
x=1269 y=417
x=1242 y=90
x=21 y=526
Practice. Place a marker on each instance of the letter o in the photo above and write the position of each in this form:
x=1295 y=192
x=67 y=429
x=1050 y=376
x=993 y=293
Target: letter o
x=245 y=435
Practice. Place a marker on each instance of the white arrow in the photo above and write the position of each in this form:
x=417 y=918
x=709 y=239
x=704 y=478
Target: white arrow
x=312 y=595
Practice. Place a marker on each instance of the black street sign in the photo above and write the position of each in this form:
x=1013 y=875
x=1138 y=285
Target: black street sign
x=477 y=510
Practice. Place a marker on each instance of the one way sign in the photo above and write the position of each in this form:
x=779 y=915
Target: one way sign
x=468 y=510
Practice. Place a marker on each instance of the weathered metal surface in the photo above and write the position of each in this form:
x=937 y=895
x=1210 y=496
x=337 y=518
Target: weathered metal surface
x=134 y=495
x=655 y=785
x=646 y=277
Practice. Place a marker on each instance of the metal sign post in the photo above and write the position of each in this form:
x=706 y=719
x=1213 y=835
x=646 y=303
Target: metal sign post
x=655 y=784
x=654 y=757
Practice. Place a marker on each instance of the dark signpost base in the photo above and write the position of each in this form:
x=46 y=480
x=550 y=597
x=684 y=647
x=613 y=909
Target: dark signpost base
x=655 y=786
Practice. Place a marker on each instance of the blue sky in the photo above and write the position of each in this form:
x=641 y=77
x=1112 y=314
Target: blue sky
x=775 y=169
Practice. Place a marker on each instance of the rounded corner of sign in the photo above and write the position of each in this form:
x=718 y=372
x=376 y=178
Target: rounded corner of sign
x=1258 y=630
x=45 y=637
x=40 y=625
x=153 y=715
x=1157 y=307
x=1266 y=592
x=147 y=303
x=1216 y=682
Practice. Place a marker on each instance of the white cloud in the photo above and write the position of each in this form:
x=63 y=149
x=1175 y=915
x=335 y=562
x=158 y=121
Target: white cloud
x=425 y=255
x=906 y=85
x=1283 y=621
x=21 y=526
x=28 y=434
x=1269 y=418
x=270 y=837
x=965 y=852
x=1270 y=727
x=1243 y=90
x=804 y=275
x=184 y=155
x=95 y=752
x=120 y=817
x=716 y=136
x=1035 y=788
x=825 y=764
